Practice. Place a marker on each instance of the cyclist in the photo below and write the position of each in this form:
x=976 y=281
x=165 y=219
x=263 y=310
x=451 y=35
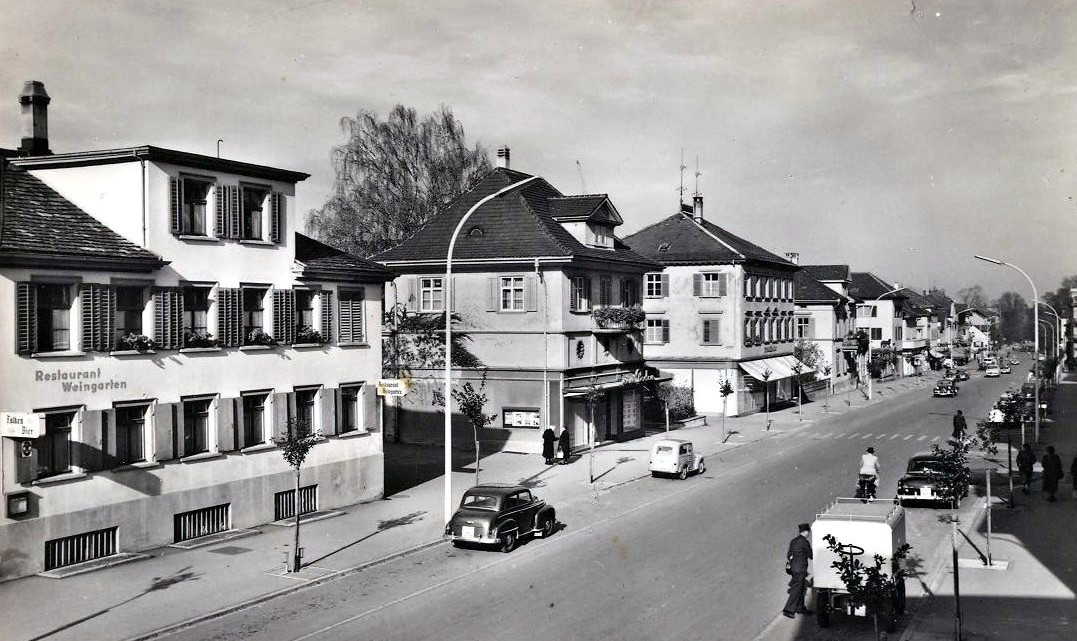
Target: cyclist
x=869 y=474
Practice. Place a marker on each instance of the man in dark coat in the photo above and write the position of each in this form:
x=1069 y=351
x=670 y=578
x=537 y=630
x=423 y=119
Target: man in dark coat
x=549 y=445
x=797 y=567
x=565 y=443
x=959 y=426
x=1052 y=472
x=1026 y=458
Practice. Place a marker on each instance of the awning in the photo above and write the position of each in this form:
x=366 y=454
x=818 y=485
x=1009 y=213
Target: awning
x=779 y=366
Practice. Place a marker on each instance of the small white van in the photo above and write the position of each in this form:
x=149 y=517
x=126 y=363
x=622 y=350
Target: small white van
x=675 y=456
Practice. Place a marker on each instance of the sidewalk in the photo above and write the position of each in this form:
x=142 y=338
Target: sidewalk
x=179 y=587
x=1035 y=597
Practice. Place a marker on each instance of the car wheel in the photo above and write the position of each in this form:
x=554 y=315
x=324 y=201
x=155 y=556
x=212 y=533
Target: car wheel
x=702 y=467
x=547 y=526
x=683 y=473
x=508 y=542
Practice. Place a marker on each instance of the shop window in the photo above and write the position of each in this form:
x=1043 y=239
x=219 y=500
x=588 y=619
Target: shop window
x=131 y=434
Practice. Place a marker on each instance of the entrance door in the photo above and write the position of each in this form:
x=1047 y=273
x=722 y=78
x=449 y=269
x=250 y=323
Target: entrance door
x=630 y=411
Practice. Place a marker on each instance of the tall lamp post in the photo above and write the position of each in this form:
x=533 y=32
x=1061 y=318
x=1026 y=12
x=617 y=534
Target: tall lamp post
x=1058 y=339
x=448 y=338
x=1050 y=337
x=867 y=358
x=1035 y=333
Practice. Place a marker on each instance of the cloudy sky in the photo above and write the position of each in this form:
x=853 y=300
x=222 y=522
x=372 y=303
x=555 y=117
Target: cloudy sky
x=897 y=137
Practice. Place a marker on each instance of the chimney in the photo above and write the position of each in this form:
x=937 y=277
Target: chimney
x=794 y=257
x=697 y=207
x=503 y=158
x=35 y=117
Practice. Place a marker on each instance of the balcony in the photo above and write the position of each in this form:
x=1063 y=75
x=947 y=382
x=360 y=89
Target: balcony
x=617 y=320
x=913 y=343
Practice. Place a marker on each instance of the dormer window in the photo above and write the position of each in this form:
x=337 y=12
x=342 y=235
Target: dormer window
x=600 y=235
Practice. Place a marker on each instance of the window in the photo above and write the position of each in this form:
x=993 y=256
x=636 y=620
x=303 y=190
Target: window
x=710 y=285
x=195 y=311
x=657 y=331
x=802 y=327
x=130 y=302
x=899 y=332
x=749 y=282
x=874 y=311
x=601 y=235
x=629 y=292
x=304 y=308
x=876 y=333
x=54 y=448
x=605 y=291
x=304 y=411
x=350 y=408
x=766 y=287
x=252 y=311
x=253 y=202
x=130 y=434
x=512 y=293
x=710 y=331
x=196 y=426
x=657 y=285
x=581 y=294
x=351 y=316
x=254 y=416
x=53 y=318
x=193 y=214
x=432 y=295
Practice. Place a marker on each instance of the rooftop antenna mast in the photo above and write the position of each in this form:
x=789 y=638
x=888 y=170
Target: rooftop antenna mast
x=583 y=184
x=698 y=174
x=680 y=190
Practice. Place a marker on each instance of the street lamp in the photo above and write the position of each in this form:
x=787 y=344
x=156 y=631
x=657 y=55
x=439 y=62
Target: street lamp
x=867 y=357
x=1052 y=337
x=448 y=338
x=1058 y=339
x=1035 y=334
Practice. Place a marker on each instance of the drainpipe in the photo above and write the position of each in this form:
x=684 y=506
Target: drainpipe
x=545 y=349
x=145 y=208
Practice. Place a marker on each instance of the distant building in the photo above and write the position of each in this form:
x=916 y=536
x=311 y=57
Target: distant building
x=824 y=317
x=879 y=315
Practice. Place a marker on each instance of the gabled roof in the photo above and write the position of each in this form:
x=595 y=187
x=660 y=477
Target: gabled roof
x=916 y=304
x=323 y=262
x=517 y=225
x=868 y=286
x=811 y=290
x=680 y=240
x=590 y=207
x=825 y=273
x=38 y=226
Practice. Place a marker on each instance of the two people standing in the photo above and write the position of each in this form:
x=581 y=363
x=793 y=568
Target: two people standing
x=551 y=443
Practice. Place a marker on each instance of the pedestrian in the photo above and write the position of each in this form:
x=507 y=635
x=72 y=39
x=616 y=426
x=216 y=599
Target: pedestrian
x=1052 y=472
x=549 y=445
x=565 y=442
x=959 y=426
x=1073 y=476
x=1026 y=458
x=796 y=566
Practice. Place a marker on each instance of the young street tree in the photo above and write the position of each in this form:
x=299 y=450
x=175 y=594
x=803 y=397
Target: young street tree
x=295 y=444
x=392 y=175
x=472 y=404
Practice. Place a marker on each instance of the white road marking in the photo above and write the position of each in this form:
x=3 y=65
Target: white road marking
x=907 y=437
x=880 y=437
x=865 y=436
x=921 y=438
x=894 y=436
x=934 y=439
x=852 y=436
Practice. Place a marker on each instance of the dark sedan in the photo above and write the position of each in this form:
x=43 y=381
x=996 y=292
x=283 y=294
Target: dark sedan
x=499 y=515
x=945 y=387
x=926 y=479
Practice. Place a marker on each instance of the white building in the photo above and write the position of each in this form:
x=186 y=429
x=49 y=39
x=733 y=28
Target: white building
x=823 y=317
x=879 y=315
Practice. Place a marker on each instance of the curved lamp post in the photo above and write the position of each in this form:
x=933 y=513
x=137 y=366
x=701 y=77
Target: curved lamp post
x=1058 y=339
x=447 y=302
x=1035 y=333
x=867 y=356
x=1046 y=325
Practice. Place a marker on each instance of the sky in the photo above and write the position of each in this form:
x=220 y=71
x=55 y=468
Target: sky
x=897 y=137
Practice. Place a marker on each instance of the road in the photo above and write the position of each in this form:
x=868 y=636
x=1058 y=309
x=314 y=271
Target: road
x=654 y=559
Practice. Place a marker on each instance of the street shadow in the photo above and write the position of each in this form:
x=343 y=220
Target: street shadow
x=620 y=461
x=382 y=526
x=533 y=481
x=157 y=584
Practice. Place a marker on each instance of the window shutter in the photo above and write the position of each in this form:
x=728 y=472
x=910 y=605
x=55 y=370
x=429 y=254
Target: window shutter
x=589 y=292
x=370 y=408
x=284 y=315
x=220 y=203
x=280 y=415
x=276 y=216
x=229 y=316
x=26 y=318
x=721 y=284
x=26 y=466
x=697 y=284
x=89 y=451
x=665 y=330
x=168 y=317
x=328 y=402
x=345 y=321
x=97 y=308
x=226 y=425
x=492 y=293
x=238 y=421
x=574 y=295
x=357 y=324
x=176 y=206
x=235 y=211
x=530 y=292
x=351 y=318
x=162 y=432
x=665 y=285
x=327 y=314
x=811 y=328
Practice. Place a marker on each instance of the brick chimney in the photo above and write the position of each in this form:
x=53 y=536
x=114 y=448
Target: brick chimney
x=35 y=118
x=794 y=257
x=697 y=207
x=503 y=158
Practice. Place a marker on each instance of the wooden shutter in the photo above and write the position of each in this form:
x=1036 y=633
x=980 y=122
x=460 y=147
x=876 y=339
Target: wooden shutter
x=88 y=450
x=574 y=295
x=811 y=328
x=168 y=317
x=220 y=202
x=665 y=330
x=328 y=402
x=531 y=292
x=327 y=314
x=239 y=420
x=97 y=306
x=229 y=316
x=369 y=399
x=411 y=293
x=721 y=284
x=176 y=206
x=276 y=216
x=235 y=211
x=280 y=415
x=697 y=284
x=351 y=317
x=589 y=291
x=162 y=432
x=492 y=293
x=284 y=315
x=226 y=425
x=345 y=334
x=665 y=285
x=26 y=318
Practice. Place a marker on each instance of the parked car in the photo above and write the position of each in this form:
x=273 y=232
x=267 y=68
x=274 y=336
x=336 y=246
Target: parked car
x=923 y=476
x=993 y=372
x=962 y=374
x=1004 y=368
x=499 y=515
x=945 y=387
x=1014 y=361
x=675 y=456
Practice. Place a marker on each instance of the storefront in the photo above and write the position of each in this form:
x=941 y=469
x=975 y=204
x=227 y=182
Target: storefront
x=611 y=401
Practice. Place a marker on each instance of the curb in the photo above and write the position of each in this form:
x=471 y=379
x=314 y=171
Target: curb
x=237 y=607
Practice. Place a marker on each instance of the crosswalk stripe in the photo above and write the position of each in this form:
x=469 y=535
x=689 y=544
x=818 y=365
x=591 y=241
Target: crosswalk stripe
x=880 y=437
x=921 y=438
x=934 y=439
x=865 y=436
x=894 y=436
x=852 y=436
x=907 y=437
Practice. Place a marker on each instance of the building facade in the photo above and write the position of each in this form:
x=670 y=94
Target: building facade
x=879 y=315
x=823 y=317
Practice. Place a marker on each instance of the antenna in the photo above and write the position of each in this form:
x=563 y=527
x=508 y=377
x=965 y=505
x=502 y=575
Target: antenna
x=698 y=174
x=579 y=170
x=680 y=190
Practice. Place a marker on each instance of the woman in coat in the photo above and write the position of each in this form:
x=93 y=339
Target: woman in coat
x=565 y=443
x=1052 y=472
x=549 y=445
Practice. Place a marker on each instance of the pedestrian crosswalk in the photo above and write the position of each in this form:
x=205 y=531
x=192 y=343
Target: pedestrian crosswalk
x=884 y=436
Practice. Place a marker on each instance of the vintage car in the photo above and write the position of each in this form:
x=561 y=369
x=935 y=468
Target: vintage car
x=945 y=387
x=499 y=515
x=1004 y=368
x=923 y=477
x=993 y=372
x=962 y=374
x=675 y=456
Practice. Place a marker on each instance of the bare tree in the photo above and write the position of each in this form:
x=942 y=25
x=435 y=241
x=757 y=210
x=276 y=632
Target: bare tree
x=392 y=176
x=973 y=296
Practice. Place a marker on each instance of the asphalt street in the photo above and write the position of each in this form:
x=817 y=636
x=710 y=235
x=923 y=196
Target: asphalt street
x=653 y=559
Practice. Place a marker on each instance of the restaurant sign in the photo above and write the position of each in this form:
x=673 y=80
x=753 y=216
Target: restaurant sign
x=20 y=425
